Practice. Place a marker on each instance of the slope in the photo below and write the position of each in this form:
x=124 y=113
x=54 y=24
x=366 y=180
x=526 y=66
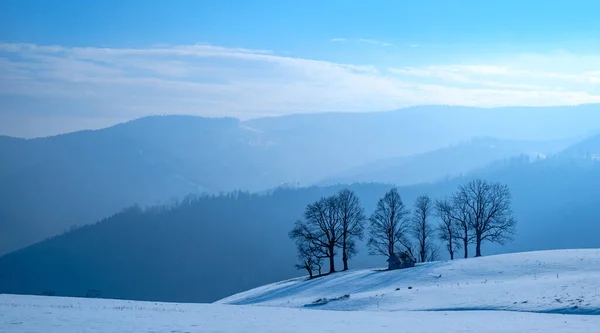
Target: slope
x=182 y=252
x=444 y=163
x=343 y=141
x=22 y=314
x=220 y=245
x=589 y=148
x=48 y=185
x=562 y=281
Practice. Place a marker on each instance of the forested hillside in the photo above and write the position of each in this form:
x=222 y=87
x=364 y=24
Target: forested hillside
x=50 y=184
x=209 y=247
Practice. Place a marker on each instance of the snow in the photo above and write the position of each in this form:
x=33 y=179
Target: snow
x=19 y=314
x=548 y=291
x=561 y=281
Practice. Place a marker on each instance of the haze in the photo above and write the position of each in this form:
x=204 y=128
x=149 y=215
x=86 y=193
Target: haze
x=180 y=151
x=68 y=66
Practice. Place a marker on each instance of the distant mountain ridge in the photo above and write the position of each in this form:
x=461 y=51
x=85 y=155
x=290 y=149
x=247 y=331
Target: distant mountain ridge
x=445 y=163
x=49 y=184
x=588 y=148
x=182 y=252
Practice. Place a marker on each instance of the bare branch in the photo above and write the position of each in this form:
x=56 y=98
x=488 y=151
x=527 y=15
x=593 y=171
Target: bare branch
x=352 y=220
x=322 y=229
x=448 y=230
x=388 y=225
x=421 y=228
x=487 y=209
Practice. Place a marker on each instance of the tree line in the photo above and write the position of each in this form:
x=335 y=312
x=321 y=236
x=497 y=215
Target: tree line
x=476 y=212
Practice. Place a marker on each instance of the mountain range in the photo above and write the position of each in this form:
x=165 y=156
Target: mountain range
x=447 y=162
x=51 y=184
x=209 y=246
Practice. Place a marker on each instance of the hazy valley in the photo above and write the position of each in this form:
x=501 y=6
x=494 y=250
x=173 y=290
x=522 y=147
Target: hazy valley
x=193 y=168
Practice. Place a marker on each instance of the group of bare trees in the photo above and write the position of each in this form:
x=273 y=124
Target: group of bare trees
x=423 y=230
x=331 y=223
x=478 y=212
x=394 y=229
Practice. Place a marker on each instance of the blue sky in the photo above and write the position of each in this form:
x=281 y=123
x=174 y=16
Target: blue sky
x=69 y=64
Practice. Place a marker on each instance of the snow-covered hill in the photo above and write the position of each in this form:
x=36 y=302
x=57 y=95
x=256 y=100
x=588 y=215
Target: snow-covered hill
x=561 y=281
x=21 y=314
x=549 y=291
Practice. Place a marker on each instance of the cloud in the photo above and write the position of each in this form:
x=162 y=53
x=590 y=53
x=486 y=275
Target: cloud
x=38 y=81
x=506 y=76
x=362 y=40
x=374 y=42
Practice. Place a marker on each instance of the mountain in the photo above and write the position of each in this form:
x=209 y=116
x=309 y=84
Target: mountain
x=208 y=247
x=446 y=162
x=48 y=185
x=324 y=145
x=178 y=253
x=588 y=149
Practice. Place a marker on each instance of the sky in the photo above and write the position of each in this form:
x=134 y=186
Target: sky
x=69 y=65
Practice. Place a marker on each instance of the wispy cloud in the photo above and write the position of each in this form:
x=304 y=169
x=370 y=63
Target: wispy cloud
x=506 y=76
x=202 y=79
x=362 y=40
x=374 y=42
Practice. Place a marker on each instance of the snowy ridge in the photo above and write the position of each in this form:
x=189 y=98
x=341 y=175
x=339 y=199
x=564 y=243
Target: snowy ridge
x=559 y=281
x=528 y=292
x=26 y=314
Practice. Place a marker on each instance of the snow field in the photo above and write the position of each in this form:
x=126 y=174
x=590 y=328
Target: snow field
x=545 y=291
x=20 y=314
x=560 y=281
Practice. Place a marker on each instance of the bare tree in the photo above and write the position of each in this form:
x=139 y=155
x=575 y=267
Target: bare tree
x=352 y=219
x=388 y=226
x=460 y=215
x=488 y=207
x=433 y=253
x=322 y=228
x=422 y=229
x=448 y=231
x=309 y=258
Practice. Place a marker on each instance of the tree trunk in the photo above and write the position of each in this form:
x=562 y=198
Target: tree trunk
x=331 y=260
x=451 y=248
x=466 y=244
x=478 y=245
x=344 y=254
